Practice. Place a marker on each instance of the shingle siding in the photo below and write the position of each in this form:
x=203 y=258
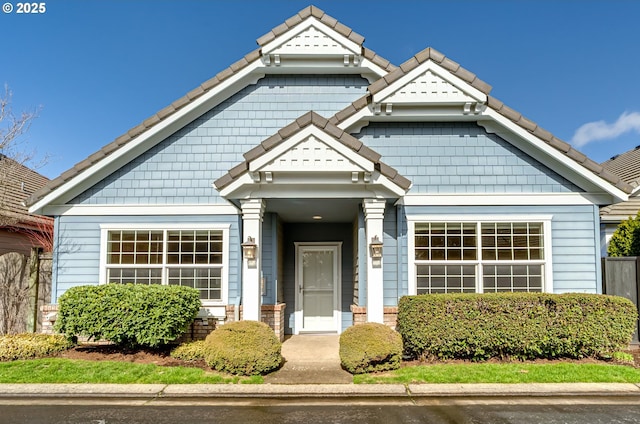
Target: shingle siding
x=459 y=158
x=77 y=247
x=182 y=168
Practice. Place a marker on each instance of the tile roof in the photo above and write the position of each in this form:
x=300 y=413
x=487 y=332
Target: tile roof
x=622 y=209
x=626 y=165
x=17 y=183
x=312 y=118
x=495 y=104
x=206 y=87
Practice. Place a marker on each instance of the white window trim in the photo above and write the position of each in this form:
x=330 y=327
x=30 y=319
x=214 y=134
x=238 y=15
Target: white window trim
x=546 y=225
x=105 y=228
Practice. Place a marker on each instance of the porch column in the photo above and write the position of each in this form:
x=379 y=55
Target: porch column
x=373 y=217
x=252 y=213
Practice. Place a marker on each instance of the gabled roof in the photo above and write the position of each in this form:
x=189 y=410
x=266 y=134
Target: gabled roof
x=18 y=182
x=430 y=54
x=215 y=83
x=306 y=120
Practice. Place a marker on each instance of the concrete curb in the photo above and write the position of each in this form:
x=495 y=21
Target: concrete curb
x=281 y=391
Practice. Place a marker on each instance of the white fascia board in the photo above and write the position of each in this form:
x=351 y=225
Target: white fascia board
x=275 y=44
x=140 y=210
x=504 y=199
x=480 y=217
x=262 y=161
x=429 y=65
x=152 y=136
x=532 y=145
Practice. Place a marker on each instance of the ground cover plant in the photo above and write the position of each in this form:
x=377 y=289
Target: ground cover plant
x=127 y=314
x=30 y=345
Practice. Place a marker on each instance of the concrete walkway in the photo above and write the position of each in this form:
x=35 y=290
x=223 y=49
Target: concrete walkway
x=310 y=359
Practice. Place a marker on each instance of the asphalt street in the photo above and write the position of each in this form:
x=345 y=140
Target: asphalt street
x=520 y=413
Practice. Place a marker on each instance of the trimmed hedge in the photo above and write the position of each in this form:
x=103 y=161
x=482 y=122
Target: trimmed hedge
x=191 y=351
x=31 y=345
x=370 y=347
x=243 y=348
x=518 y=325
x=127 y=314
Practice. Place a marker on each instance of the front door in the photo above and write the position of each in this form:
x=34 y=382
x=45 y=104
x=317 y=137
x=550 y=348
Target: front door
x=318 y=281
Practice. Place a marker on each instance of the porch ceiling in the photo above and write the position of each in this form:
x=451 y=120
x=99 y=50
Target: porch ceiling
x=303 y=210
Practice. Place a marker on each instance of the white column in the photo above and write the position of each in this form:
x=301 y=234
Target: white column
x=252 y=213
x=373 y=218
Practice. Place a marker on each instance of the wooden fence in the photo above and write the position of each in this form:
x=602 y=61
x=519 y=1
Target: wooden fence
x=621 y=277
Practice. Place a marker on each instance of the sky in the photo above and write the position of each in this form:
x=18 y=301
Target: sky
x=94 y=69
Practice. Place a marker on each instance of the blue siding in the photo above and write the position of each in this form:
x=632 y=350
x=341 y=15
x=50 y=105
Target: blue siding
x=182 y=168
x=574 y=232
x=459 y=158
x=269 y=258
x=77 y=247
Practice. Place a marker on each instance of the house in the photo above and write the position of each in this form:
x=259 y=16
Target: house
x=312 y=184
x=20 y=231
x=627 y=166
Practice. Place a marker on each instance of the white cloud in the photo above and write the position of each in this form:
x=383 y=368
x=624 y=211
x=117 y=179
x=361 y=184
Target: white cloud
x=600 y=130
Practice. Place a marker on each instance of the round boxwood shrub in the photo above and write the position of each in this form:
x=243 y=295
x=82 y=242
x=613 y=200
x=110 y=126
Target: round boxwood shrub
x=243 y=348
x=370 y=347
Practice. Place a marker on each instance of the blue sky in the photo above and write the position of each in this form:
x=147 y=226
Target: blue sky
x=94 y=69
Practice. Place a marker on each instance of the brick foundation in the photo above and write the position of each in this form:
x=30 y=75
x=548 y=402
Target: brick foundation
x=360 y=315
x=272 y=315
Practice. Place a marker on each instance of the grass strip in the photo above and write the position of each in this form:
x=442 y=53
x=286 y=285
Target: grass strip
x=506 y=373
x=59 y=370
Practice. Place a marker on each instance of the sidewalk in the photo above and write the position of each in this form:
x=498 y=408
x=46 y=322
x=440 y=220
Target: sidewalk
x=311 y=391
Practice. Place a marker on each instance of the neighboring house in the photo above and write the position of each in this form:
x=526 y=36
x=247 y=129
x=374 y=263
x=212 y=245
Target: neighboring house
x=627 y=166
x=20 y=230
x=348 y=181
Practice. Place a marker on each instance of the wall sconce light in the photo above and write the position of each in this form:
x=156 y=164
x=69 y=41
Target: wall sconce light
x=375 y=248
x=249 y=248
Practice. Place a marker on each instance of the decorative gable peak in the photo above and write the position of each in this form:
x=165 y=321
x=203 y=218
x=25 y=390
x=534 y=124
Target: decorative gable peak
x=314 y=40
x=429 y=79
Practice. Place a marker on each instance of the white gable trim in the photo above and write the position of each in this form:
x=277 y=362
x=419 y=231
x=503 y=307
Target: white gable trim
x=546 y=154
x=471 y=94
x=140 y=210
x=504 y=199
x=279 y=44
x=268 y=159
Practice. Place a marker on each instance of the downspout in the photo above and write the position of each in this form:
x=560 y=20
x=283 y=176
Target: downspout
x=236 y=309
x=399 y=262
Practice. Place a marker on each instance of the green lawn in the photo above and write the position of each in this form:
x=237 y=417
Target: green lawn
x=58 y=370
x=506 y=373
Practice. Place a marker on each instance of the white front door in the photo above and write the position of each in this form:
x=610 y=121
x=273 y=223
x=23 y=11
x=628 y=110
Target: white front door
x=318 y=281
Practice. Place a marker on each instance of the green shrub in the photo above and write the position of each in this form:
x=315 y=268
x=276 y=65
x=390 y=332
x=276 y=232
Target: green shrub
x=625 y=240
x=127 y=314
x=192 y=351
x=30 y=345
x=519 y=325
x=243 y=348
x=370 y=347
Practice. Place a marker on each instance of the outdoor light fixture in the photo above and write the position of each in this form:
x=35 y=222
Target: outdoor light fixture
x=375 y=247
x=249 y=248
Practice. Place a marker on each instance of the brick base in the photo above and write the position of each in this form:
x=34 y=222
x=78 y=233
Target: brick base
x=272 y=315
x=360 y=315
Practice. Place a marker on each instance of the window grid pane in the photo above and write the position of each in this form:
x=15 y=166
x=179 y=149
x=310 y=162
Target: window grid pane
x=134 y=247
x=446 y=279
x=134 y=275
x=512 y=278
x=445 y=241
x=194 y=248
x=511 y=259
x=208 y=281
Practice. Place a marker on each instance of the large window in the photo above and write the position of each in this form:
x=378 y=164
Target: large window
x=487 y=256
x=185 y=257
